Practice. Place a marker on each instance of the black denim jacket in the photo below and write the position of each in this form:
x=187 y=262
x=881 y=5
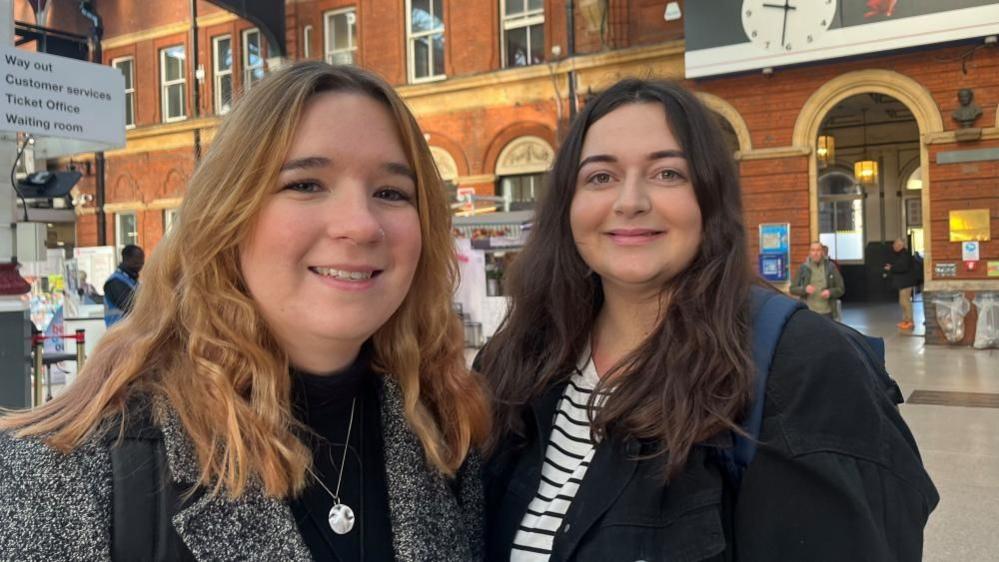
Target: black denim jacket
x=837 y=476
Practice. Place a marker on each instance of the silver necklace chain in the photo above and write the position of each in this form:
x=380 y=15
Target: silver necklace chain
x=341 y=516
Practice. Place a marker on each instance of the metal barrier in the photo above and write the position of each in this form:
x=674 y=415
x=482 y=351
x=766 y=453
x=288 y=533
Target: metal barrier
x=45 y=362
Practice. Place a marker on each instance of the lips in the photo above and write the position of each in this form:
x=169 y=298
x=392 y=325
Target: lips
x=634 y=236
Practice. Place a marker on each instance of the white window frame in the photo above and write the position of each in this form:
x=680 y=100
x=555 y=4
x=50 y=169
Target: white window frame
x=307 y=42
x=527 y=18
x=165 y=85
x=247 y=69
x=129 y=92
x=119 y=244
x=170 y=218
x=218 y=75
x=329 y=52
x=411 y=51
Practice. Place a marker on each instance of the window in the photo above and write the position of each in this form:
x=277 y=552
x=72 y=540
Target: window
x=126 y=232
x=126 y=66
x=523 y=32
x=307 y=42
x=173 y=83
x=222 y=73
x=841 y=215
x=425 y=30
x=253 y=58
x=169 y=219
x=520 y=192
x=341 y=37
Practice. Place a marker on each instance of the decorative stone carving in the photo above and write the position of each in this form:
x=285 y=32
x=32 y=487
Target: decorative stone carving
x=446 y=166
x=525 y=155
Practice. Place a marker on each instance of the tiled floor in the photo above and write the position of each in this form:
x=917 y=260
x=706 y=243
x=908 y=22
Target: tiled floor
x=960 y=445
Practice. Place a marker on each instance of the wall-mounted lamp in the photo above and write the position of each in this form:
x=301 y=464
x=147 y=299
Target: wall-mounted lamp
x=825 y=150
x=866 y=172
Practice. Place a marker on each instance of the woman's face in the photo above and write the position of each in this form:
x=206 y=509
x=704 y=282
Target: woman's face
x=334 y=249
x=634 y=215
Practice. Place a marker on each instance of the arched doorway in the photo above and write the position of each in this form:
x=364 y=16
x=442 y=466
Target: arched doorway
x=520 y=172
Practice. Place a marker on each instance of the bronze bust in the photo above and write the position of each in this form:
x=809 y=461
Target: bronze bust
x=968 y=112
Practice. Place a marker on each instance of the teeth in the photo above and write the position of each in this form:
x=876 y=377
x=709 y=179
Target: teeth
x=340 y=274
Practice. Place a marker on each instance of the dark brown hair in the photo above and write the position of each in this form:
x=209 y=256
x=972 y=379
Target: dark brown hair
x=691 y=378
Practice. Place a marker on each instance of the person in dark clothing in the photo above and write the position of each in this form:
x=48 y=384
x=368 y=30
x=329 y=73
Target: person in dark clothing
x=625 y=365
x=292 y=364
x=902 y=272
x=119 y=289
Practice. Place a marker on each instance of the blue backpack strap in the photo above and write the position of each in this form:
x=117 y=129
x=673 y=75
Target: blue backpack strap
x=769 y=311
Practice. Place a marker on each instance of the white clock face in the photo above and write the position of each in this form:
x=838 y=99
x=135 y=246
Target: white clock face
x=786 y=25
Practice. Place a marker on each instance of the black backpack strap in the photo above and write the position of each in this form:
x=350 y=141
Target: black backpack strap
x=144 y=498
x=769 y=311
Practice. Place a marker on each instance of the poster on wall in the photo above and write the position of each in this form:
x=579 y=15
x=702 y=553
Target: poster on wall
x=726 y=36
x=97 y=263
x=775 y=251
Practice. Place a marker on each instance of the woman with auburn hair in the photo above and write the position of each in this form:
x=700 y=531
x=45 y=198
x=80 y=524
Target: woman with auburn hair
x=290 y=384
x=625 y=370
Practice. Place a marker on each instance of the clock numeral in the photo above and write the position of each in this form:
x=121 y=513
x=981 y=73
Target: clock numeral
x=749 y=13
x=824 y=23
x=754 y=34
x=787 y=47
x=810 y=39
x=766 y=45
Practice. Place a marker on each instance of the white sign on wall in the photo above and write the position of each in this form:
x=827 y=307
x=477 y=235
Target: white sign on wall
x=50 y=96
x=969 y=251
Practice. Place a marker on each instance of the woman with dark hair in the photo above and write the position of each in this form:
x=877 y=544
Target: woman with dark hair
x=624 y=369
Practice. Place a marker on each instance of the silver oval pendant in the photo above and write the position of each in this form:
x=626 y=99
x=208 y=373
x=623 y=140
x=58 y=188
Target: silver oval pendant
x=341 y=519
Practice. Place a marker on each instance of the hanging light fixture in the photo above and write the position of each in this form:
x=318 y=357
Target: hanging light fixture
x=865 y=171
x=825 y=149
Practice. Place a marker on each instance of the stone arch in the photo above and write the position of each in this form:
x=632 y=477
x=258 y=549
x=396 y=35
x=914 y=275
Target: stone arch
x=732 y=115
x=525 y=155
x=446 y=165
x=903 y=88
x=126 y=189
x=173 y=185
x=511 y=133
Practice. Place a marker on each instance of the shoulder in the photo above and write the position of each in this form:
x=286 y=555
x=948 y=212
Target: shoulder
x=824 y=392
x=52 y=503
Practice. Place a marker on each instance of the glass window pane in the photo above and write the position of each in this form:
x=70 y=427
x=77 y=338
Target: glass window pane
x=225 y=92
x=341 y=35
x=514 y=7
x=516 y=47
x=175 y=100
x=352 y=22
x=420 y=16
x=439 y=54
x=537 y=44
x=223 y=54
x=535 y=4
x=129 y=110
x=438 y=13
x=175 y=63
x=125 y=67
x=421 y=57
x=343 y=57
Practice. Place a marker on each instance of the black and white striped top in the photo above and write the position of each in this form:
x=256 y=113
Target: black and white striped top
x=570 y=450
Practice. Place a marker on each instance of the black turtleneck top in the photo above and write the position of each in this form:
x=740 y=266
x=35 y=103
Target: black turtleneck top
x=323 y=404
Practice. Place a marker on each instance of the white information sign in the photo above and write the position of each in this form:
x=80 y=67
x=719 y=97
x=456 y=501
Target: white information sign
x=969 y=251
x=97 y=262
x=50 y=96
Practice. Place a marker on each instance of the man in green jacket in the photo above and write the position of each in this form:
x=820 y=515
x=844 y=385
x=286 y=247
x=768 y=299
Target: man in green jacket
x=819 y=282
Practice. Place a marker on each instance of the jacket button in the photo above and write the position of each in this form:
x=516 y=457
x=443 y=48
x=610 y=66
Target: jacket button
x=566 y=527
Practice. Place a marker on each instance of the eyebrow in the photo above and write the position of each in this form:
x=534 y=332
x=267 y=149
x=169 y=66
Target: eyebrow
x=651 y=156
x=322 y=162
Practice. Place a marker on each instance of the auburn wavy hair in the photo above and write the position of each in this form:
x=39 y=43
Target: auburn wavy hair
x=196 y=338
x=691 y=378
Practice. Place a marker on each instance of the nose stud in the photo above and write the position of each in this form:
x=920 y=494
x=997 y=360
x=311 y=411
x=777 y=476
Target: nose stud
x=381 y=234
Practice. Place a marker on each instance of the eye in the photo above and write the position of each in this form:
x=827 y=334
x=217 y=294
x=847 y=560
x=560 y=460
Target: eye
x=307 y=186
x=599 y=178
x=669 y=175
x=393 y=194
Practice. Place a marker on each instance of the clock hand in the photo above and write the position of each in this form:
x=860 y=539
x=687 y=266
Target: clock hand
x=782 y=7
x=783 y=33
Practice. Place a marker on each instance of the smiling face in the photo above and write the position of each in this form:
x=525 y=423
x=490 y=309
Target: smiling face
x=334 y=248
x=634 y=216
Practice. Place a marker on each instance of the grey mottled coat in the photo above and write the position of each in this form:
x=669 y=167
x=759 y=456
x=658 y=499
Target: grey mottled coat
x=58 y=507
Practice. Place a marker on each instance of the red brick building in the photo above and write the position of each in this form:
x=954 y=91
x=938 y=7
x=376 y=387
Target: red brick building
x=488 y=81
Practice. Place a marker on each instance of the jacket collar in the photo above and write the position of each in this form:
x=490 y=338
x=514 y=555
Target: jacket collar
x=428 y=521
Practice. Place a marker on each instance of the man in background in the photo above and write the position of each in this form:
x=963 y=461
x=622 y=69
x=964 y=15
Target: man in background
x=819 y=282
x=902 y=274
x=120 y=287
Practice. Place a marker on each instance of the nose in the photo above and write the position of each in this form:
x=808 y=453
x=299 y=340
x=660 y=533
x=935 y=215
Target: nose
x=353 y=218
x=632 y=197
